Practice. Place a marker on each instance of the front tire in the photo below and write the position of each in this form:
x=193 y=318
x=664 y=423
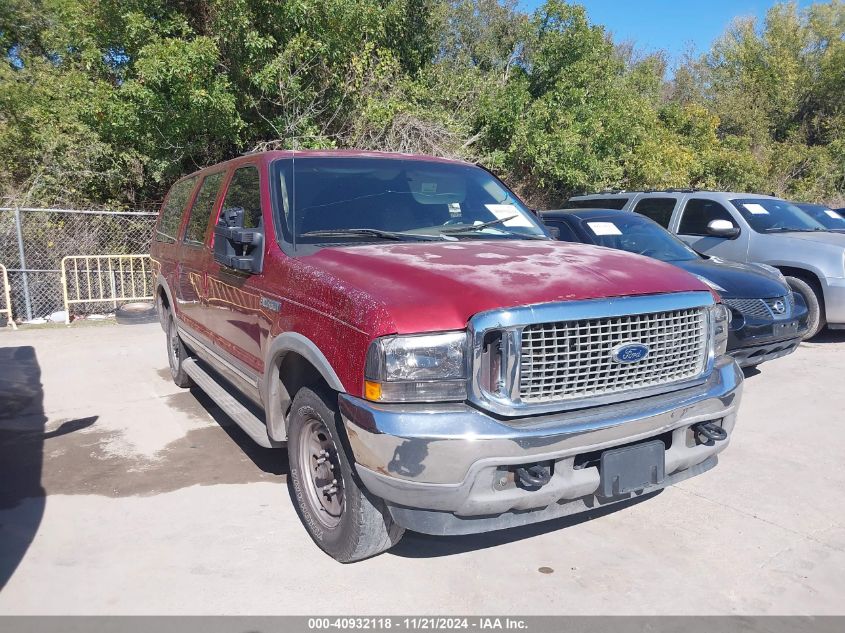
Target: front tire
x=815 y=316
x=342 y=518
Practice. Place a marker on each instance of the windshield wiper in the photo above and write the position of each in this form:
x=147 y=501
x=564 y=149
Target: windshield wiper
x=471 y=228
x=781 y=229
x=476 y=227
x=387 y=235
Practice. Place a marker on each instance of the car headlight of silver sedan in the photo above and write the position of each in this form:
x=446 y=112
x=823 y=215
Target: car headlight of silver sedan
x=417 y=368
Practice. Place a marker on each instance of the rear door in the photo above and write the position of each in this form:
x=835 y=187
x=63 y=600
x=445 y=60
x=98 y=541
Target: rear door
x=567 y=232
x=691 y=226
x=167 y=250
x=195 y=256
x=657 y=208
x=232 y=307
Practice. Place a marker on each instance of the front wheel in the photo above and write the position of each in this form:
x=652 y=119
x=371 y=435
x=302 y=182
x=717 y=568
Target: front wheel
x=815 y=318
x=342 y=518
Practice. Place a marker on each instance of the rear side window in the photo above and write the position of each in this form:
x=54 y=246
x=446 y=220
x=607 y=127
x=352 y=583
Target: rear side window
x=597 y=203
x=698 y=213
x=171 y=214
x=200 y=212
x=657 y=209
x=245 y=191
x=566 y=232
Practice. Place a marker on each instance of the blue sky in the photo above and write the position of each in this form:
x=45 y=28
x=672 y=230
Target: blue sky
x=671 y=25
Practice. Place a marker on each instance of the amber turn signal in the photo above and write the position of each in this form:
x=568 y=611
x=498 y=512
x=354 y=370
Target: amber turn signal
x=372 y=390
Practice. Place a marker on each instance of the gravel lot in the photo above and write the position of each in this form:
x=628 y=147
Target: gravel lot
x=122 y=494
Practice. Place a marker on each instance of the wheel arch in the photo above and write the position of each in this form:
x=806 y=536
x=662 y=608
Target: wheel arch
x=163 y=299
x=810 y=276
x=293 y=361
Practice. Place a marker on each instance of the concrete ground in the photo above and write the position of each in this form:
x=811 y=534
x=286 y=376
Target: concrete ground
x=122 y=494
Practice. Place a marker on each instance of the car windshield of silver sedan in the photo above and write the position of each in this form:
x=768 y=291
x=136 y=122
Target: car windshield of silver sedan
x=770 y=215
x=345 y=200
x=640 y=235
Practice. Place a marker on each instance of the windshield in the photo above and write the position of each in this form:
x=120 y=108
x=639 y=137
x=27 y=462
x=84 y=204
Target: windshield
x=825 y=216
x=356 y=200
x=768 y=215
x=637 y=234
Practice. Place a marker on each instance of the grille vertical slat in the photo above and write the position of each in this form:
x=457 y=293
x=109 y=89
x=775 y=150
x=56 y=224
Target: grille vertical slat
x=567 y=360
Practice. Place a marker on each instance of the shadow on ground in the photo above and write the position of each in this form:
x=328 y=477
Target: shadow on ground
x=80 y=458
x=21 y=399
x=75 y=457
x=827 y=336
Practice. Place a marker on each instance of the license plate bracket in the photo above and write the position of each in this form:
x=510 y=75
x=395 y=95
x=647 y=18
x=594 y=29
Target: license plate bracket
x=632 y=468
x=783 y=329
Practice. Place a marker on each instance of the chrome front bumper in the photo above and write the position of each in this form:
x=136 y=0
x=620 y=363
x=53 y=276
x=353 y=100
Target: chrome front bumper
x=438 y=466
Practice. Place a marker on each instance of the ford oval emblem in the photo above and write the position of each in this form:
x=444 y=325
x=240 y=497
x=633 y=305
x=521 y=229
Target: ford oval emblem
x=630 y=352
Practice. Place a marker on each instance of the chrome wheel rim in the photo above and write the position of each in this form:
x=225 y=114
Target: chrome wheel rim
x=320 y=464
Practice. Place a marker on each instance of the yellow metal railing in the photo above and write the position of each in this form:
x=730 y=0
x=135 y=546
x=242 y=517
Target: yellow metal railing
x=105 y=279
x=7 y=297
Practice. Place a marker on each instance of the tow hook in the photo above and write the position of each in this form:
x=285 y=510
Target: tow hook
x=534 y=476
x=706 y=432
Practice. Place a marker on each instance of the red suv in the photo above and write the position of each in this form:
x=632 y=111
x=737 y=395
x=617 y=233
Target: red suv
x=428 y=355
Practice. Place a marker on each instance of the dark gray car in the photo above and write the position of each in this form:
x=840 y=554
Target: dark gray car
x=768 y=319
x=752 y=228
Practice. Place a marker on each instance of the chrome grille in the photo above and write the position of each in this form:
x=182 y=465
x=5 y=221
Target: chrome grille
x=569 y=360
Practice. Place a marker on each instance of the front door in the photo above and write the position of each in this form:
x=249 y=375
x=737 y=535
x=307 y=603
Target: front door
x=696 y=214
x=232 y=300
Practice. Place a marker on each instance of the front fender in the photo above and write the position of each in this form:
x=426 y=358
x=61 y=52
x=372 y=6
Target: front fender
x=161 y=283
x=276 y=398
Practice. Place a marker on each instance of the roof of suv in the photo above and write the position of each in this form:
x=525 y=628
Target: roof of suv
x=584 y=214
x=656 y=192
x=270 y=155
x=346 y=153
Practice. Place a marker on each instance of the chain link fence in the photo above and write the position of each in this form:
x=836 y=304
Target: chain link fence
x=34 y=241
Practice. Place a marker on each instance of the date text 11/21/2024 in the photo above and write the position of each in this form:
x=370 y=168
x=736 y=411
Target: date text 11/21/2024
x=417 y=623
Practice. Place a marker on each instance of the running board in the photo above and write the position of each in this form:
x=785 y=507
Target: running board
x=242 y=416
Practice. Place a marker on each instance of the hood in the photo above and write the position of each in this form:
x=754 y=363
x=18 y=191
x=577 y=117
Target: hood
x=819 y=237
x=430 y=286
x=740 y=281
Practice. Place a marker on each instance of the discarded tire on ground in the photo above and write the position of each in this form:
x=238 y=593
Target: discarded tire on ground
x=135 y=313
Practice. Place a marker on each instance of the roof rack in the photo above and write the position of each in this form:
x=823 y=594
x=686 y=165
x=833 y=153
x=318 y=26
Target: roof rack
x=667 y=190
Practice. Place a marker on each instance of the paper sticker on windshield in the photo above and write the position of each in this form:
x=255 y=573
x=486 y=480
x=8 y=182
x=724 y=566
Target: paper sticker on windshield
x=428 y=187
x=508 y=211
x=604 y=228
x=833 y=214
x=756 y=209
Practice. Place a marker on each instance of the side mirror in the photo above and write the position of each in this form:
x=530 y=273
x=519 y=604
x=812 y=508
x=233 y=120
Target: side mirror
x=722 y=228
x=554 y=231
x=236 y=247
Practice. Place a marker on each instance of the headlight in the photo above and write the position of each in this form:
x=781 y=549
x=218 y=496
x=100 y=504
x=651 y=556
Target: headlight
x=720 y=321
x=419 y=368
x=712 y=284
